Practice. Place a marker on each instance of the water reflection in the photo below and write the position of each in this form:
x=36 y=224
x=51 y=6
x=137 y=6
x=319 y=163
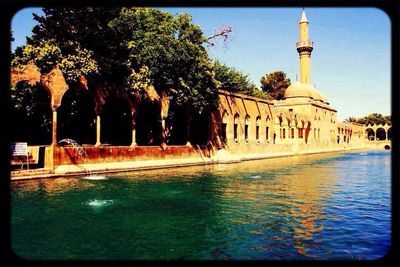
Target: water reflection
x=320 y=206
x=50 y=185
x=291 y=189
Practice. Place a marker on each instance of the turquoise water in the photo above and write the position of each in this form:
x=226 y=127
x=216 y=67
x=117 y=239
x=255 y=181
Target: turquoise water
x=335 y=206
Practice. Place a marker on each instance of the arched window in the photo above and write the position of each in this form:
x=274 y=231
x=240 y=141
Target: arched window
x=300 y=130
x=258 y=124
x=246 y=128
x=224 y=125
x=235 y=127
x=267 y=128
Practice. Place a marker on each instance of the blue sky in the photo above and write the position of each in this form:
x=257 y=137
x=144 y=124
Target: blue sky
x=350 y=62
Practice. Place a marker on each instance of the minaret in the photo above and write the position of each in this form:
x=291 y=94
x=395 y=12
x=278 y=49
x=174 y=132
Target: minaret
x=304 y=47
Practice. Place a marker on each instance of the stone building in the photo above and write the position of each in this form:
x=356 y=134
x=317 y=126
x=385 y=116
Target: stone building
x=126 y=128
x=303 y=117
x=307 y=117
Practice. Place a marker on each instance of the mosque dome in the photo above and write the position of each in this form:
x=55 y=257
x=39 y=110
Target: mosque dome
x=318 y=96
x=298 y=89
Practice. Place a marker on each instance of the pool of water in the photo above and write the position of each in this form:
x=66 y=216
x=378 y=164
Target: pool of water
x=331 y=206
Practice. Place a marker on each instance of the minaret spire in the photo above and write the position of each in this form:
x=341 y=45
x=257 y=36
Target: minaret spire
x=304 y=47
x=303 y=16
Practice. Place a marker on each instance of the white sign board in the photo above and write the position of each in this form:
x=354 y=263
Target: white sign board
x=19 y=149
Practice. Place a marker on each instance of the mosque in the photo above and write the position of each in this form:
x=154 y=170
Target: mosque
x=302 y=122
x=303 y=118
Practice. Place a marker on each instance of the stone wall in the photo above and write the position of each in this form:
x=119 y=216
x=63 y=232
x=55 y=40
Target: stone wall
x=247 y=120
x=107 y=154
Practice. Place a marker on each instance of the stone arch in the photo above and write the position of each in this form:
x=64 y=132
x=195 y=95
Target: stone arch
x=116 y=121
x=380 y=134
x=31 y=112
x=29 y=73
x=77 y=116
x=370 y=133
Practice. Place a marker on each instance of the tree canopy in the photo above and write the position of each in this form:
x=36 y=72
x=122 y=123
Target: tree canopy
x=231 y=79
x=373 y=119
x=131 y=47
x=275 y=84
x=167 y=51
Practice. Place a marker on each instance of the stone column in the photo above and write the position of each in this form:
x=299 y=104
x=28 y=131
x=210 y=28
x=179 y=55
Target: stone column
x=98 y=131
x=188 y=131
x=54 y=127
x=133 y=130
x=50 y=151
x=163 y=143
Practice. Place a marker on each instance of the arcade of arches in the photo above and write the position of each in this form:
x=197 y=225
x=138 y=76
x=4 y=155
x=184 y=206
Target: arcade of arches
x=378 y=132
x=96 y=116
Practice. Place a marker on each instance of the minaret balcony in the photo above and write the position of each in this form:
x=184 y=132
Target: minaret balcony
x=304 y=46
x=307 y=43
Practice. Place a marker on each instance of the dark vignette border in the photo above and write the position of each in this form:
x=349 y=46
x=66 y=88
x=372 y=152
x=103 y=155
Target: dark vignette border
x=10 y=7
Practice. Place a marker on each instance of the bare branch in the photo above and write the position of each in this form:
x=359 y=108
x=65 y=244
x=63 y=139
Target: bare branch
x=222 y=32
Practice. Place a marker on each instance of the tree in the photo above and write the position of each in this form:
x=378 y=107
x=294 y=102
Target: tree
x=128 y=48
x=126 y=45
x=351 y=119
x=82 y=27
x=170 y=49
x=233 y=80
x=375 y=118
x=76 y=39
x=275 y=84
